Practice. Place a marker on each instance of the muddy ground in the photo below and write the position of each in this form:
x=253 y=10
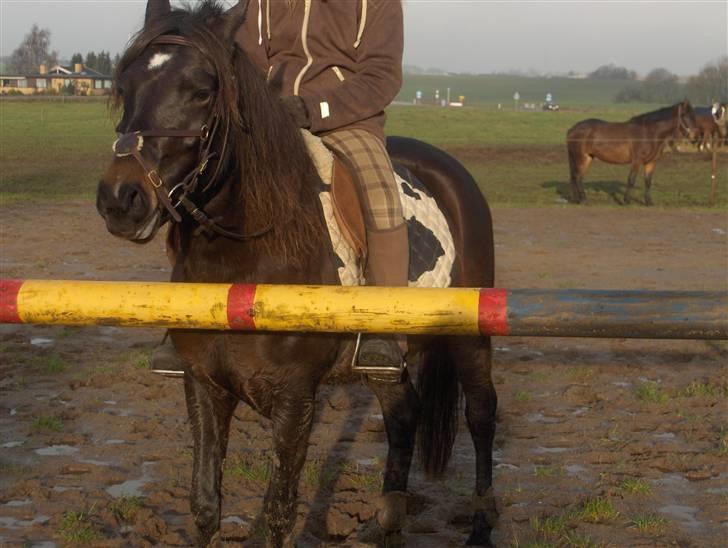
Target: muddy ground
x=599 y=442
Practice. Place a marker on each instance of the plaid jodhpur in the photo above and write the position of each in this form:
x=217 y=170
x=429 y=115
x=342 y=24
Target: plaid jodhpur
x=372 y=170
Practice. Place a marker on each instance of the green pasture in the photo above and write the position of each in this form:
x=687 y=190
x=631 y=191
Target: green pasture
x=51 y=151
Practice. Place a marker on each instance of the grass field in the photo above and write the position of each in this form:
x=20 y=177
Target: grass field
x=59 y=150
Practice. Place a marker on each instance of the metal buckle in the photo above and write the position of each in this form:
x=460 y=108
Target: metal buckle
x=154 y=178
x=204 y=132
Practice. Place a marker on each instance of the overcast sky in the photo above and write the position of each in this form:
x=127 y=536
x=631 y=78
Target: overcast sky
x=460 y=35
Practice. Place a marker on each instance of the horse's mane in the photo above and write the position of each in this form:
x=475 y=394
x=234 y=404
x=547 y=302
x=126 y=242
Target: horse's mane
x=659 y=115
x=276 y=180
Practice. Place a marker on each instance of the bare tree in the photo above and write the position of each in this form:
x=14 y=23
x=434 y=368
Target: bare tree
x=711 y=83
x=33 y=50
x=661 y=86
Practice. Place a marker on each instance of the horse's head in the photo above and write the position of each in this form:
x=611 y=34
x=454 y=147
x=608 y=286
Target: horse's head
x=178 y=97
x=687 y=123
x=720 y=116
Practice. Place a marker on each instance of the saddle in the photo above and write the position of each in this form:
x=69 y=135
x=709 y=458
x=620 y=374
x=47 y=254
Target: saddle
x=432 y=250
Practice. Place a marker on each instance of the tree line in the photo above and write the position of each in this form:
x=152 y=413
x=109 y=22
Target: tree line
x=35 y=49
x=100 y=62
x=662 y=86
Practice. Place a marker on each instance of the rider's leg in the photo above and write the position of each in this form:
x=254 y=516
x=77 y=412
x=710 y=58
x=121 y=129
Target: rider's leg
x=388 y=249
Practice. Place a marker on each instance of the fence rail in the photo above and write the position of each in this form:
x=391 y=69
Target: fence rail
x=455 y=311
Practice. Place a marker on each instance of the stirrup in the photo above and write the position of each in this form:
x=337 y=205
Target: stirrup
x=391 y=374
x=164 y=360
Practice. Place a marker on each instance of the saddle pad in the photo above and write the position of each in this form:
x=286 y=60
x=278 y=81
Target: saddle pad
x=432 y=251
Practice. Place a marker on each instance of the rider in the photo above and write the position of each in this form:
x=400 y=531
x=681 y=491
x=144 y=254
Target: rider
x=338 y=65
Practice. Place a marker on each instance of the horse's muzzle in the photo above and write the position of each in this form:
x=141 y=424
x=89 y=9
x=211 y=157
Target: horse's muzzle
x=128 y=211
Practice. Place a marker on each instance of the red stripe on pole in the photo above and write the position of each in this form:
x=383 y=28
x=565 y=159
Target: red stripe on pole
x=493 y=312
x=241 y=299
x=9 y=301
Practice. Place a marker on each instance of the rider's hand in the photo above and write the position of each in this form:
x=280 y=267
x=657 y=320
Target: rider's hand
x=297 y=109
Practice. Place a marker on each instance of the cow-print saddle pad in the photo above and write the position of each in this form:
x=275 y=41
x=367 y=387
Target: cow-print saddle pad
x=432 y=251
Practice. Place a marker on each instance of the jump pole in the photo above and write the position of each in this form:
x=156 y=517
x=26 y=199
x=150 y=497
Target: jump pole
x=453 y=311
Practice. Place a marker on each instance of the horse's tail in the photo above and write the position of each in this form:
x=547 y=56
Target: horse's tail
x=570 y=150
x=439 y=410
x=573 y=143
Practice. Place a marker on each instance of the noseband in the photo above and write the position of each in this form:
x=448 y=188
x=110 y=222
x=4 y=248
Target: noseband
x=131 y=144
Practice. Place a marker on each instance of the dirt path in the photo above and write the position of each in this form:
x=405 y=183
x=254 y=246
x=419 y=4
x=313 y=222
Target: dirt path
x=599 y=443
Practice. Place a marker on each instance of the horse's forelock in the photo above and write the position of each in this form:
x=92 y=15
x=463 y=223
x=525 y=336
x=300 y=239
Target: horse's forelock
x=197 y=24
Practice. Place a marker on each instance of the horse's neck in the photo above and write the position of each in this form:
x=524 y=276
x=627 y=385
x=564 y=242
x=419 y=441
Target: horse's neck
x=666 y=128
x=200 y=256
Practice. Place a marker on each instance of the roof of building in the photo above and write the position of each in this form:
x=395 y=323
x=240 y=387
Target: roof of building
x=62 y=71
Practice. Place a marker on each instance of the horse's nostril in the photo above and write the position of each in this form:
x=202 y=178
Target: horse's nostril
x=131 y=197
x=134 y=198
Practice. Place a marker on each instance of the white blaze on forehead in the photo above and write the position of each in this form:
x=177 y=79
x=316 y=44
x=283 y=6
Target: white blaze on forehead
x=158 y=59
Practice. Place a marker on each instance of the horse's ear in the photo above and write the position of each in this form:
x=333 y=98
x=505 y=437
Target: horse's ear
x=155 y=9
x=233 y=19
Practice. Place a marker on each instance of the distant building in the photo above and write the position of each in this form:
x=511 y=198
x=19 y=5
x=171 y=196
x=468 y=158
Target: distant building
x=76 y=80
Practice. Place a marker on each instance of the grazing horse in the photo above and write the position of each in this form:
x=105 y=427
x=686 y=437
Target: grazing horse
x=711 y=126
x=638 y=141
x=208 y=148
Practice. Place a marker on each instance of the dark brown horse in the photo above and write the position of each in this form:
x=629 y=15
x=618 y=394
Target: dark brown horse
x=639 y=142
x=711 y=126
x=206 y=147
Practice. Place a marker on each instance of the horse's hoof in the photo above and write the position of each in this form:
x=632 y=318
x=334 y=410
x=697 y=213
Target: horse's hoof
x=392 y=511
x=485 y=515
x=479 y=539
x=214 y=542
x=393 y=539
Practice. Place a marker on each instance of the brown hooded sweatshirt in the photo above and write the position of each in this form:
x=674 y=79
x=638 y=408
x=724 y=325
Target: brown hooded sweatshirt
x=342 y=57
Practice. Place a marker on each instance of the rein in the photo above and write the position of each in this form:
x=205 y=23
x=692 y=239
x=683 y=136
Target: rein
x=132 y=143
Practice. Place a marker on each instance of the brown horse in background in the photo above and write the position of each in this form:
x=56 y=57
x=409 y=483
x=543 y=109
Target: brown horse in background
x=711 y=123
x=638 y=142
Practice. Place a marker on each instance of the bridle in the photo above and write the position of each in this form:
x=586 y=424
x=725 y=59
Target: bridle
x=681 y=125
x=132 y=143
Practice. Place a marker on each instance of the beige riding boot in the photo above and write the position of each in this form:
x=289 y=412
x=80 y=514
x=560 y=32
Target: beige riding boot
x=382 y=356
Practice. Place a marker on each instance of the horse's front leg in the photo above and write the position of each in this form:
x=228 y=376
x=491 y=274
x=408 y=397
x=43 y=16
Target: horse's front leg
x=292 y=416
x=210 y=409
x=400 y=408
x=649 y=170
x=630 y=183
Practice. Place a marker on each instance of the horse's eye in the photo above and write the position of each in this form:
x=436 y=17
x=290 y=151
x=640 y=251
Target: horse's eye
x=202 y=95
